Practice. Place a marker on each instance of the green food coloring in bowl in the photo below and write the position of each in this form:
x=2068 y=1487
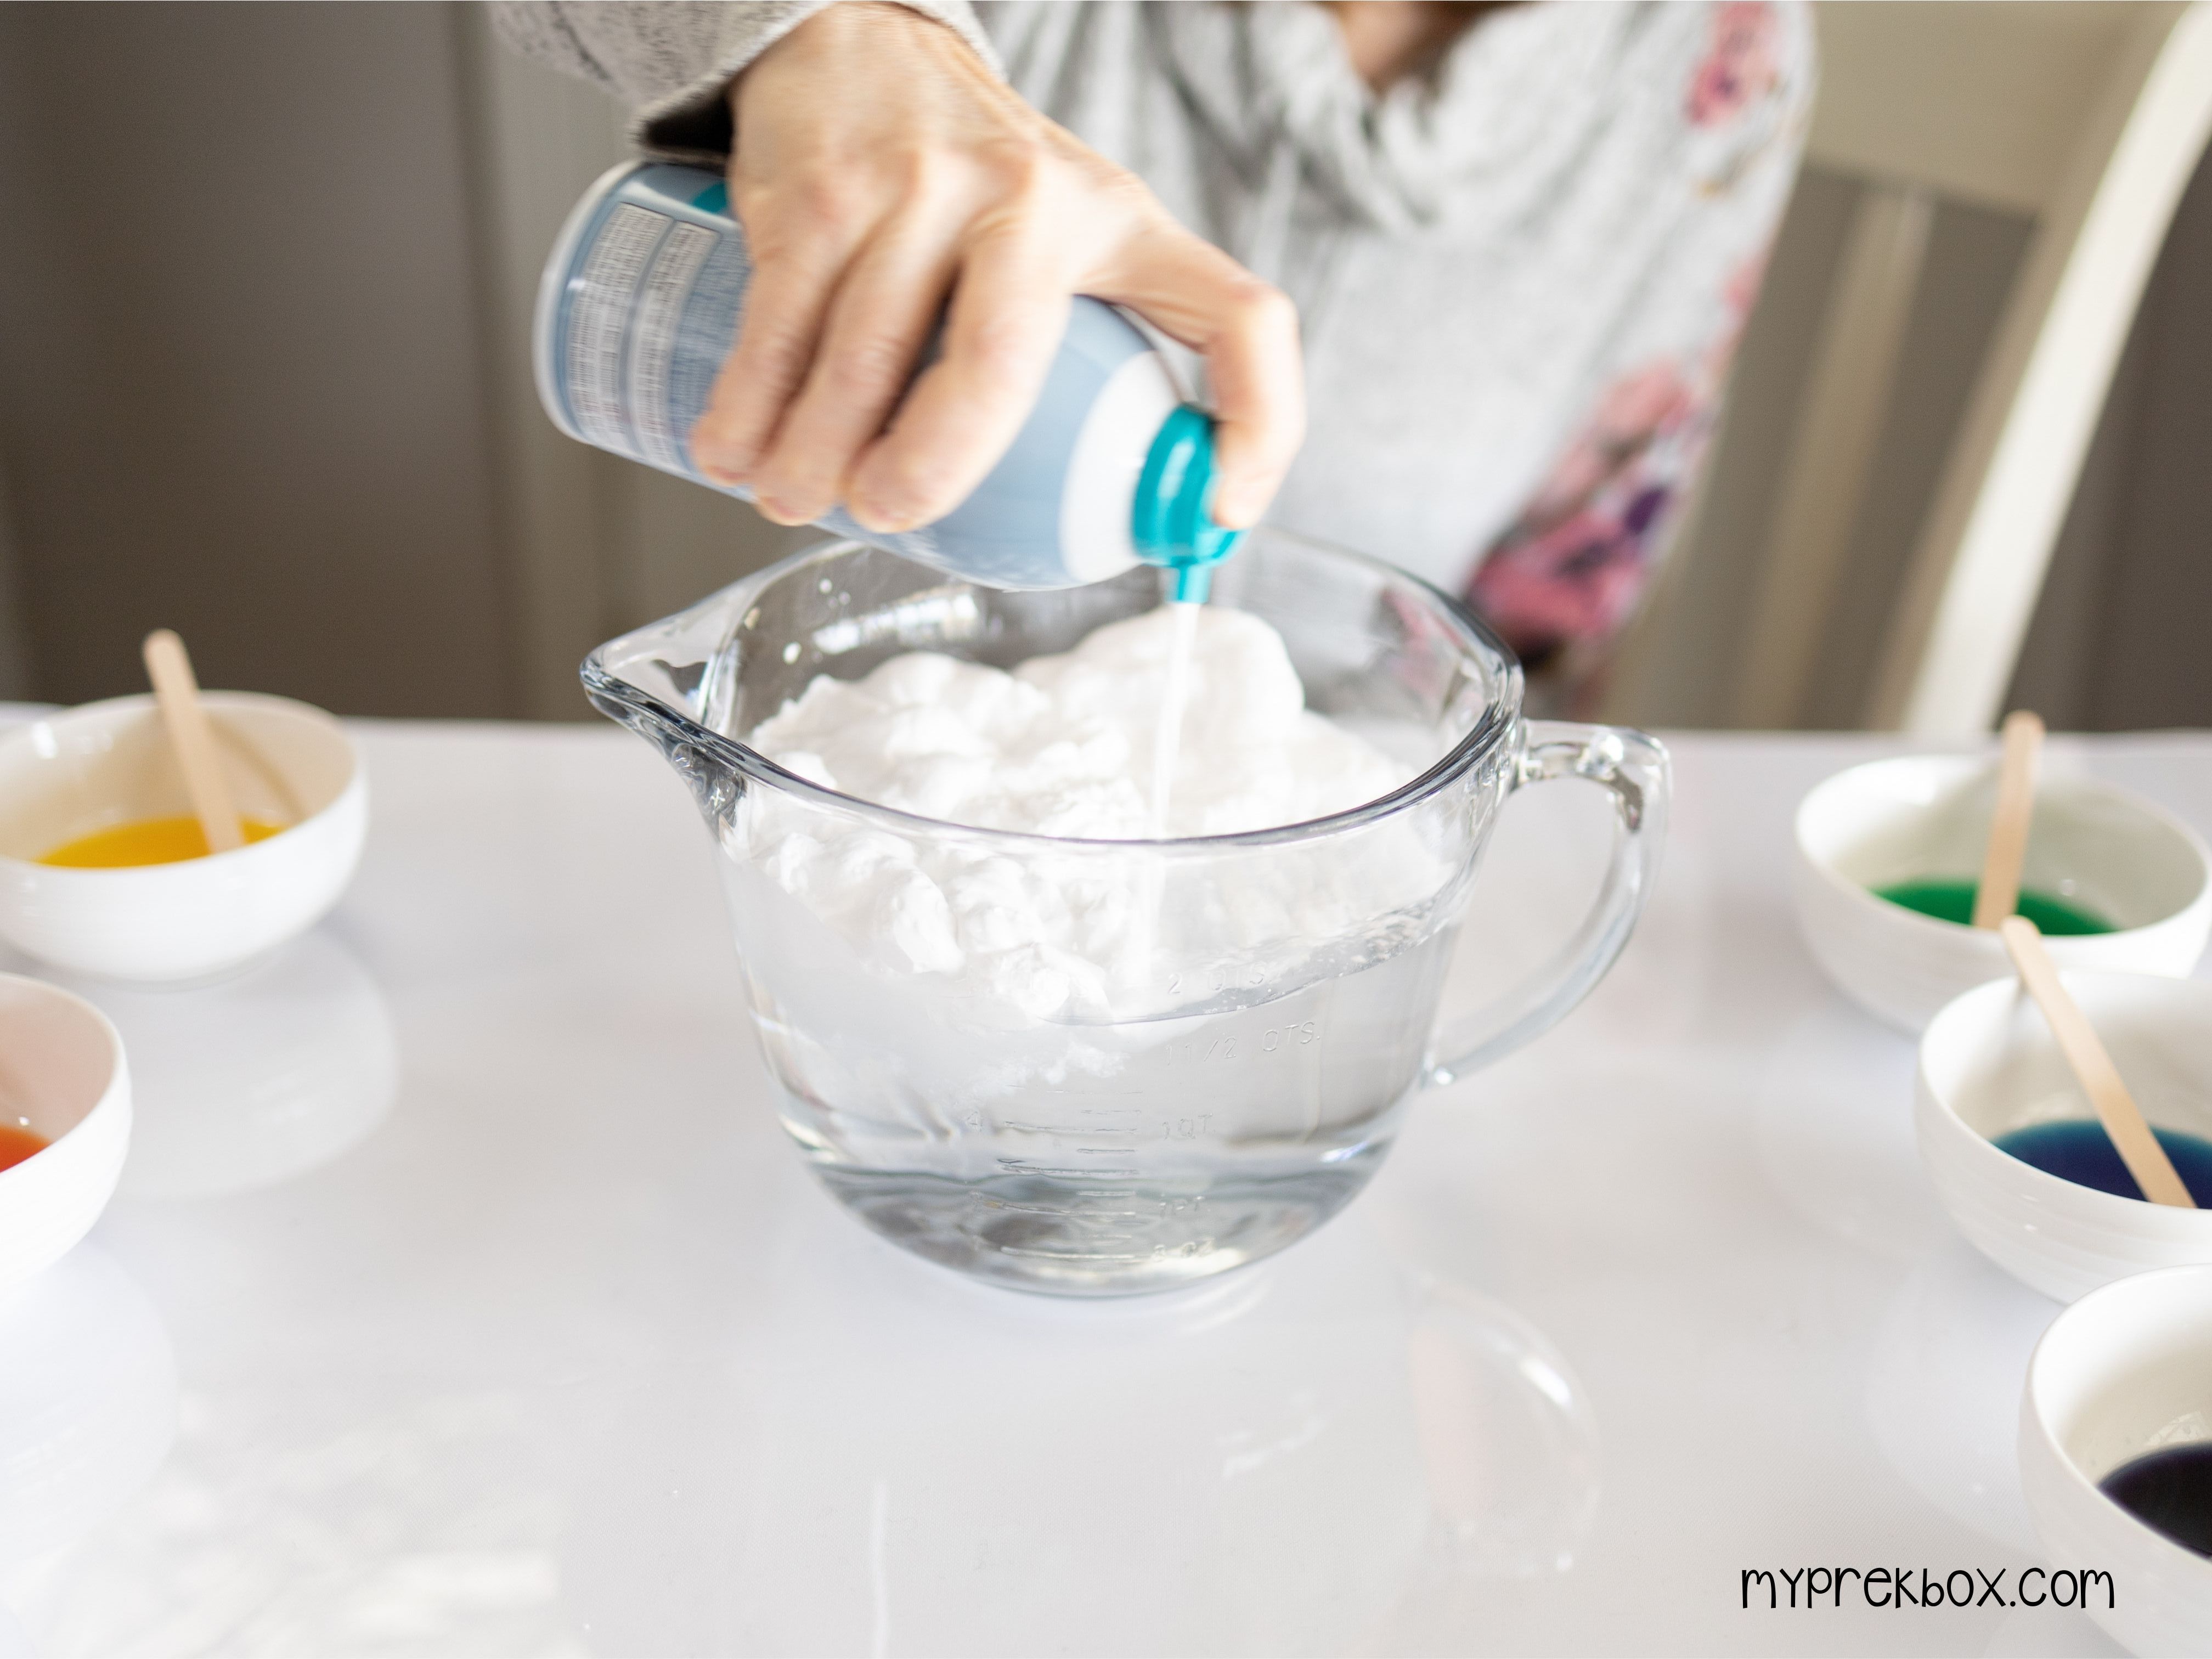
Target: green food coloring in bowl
x=1950 y=899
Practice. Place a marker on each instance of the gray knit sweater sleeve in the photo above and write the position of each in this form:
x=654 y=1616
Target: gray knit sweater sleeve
x=671 y=60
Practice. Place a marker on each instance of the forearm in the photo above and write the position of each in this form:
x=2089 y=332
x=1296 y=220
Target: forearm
x=673 y=61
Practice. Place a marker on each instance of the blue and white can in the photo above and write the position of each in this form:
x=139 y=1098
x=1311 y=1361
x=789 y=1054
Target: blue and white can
x=640 y=304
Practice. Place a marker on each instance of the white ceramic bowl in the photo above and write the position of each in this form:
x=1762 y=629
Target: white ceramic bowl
x=1988 y=1066
x=1928 y=816
x=62 y=1075
x=67 y=775
x=2118 y=1374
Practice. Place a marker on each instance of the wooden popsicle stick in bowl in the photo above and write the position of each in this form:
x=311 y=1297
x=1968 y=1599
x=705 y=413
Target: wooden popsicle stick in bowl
x=1999 y=894
x=2092 y=1067
x=178 y=695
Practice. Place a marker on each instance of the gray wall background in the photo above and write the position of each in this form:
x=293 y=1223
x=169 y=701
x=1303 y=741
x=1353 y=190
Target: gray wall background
x=262 y=378
x=244 y=388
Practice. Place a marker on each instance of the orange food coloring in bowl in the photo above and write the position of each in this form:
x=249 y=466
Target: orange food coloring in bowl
x=151 y=841
x=16 y=1144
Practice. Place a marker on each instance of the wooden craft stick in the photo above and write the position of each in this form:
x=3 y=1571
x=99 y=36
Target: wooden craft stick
x=2094 y=1069
x=1998 y=896
x=178 y=695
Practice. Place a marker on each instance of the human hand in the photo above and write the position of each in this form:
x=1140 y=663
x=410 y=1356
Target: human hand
x=877 y=167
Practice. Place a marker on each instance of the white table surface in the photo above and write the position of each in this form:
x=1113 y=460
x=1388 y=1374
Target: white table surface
x=554 y=1349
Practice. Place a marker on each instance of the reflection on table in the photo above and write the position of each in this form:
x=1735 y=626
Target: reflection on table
x=930 y=1465
x=87 y=1409
x=256 y=1078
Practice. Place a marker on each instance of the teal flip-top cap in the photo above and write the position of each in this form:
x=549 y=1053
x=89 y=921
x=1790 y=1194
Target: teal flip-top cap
x=1170 y=523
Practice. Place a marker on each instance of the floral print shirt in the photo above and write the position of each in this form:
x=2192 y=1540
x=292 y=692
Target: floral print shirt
x=1520 y=277
x=1567 y=573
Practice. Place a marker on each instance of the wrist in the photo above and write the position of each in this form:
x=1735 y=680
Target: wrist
x=838 y=28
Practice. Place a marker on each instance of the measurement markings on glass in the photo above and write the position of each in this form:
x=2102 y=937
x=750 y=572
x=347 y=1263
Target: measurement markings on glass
x=1083 y=1172
x=1126 y=1132
x=1197 y=1051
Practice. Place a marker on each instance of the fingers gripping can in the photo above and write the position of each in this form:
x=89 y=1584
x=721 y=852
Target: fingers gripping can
x=641 y=302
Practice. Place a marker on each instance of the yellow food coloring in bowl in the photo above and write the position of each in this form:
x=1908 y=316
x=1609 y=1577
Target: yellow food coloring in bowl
x=151 y=841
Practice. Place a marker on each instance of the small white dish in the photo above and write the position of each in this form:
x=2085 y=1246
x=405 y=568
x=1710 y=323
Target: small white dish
x=67 y=775
x=2124 y=1372
x=1925 y=817
x=1989 y=1065
x=62 y=1077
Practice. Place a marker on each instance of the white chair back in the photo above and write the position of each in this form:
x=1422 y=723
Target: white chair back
x=2087 y=118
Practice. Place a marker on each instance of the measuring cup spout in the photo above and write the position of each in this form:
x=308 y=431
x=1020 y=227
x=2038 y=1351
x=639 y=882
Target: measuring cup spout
x=714 y=783
x=661 y=683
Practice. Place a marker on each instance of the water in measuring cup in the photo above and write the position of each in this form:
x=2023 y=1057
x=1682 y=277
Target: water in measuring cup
x=1087 y=1158
x=1072 y=1066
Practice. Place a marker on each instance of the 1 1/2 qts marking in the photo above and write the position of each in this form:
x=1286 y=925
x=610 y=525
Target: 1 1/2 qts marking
x=1195 y=1051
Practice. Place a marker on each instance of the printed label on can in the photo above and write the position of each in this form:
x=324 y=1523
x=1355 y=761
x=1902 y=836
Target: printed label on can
x=675 y=268
x=645 y=315
x=599 y=325
x=640 y=304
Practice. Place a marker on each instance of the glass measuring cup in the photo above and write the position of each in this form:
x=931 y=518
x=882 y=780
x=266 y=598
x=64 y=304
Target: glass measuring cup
x=1135 y=1063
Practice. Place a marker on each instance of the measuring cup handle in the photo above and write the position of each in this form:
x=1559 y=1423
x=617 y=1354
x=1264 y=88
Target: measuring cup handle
x=1635 y=768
